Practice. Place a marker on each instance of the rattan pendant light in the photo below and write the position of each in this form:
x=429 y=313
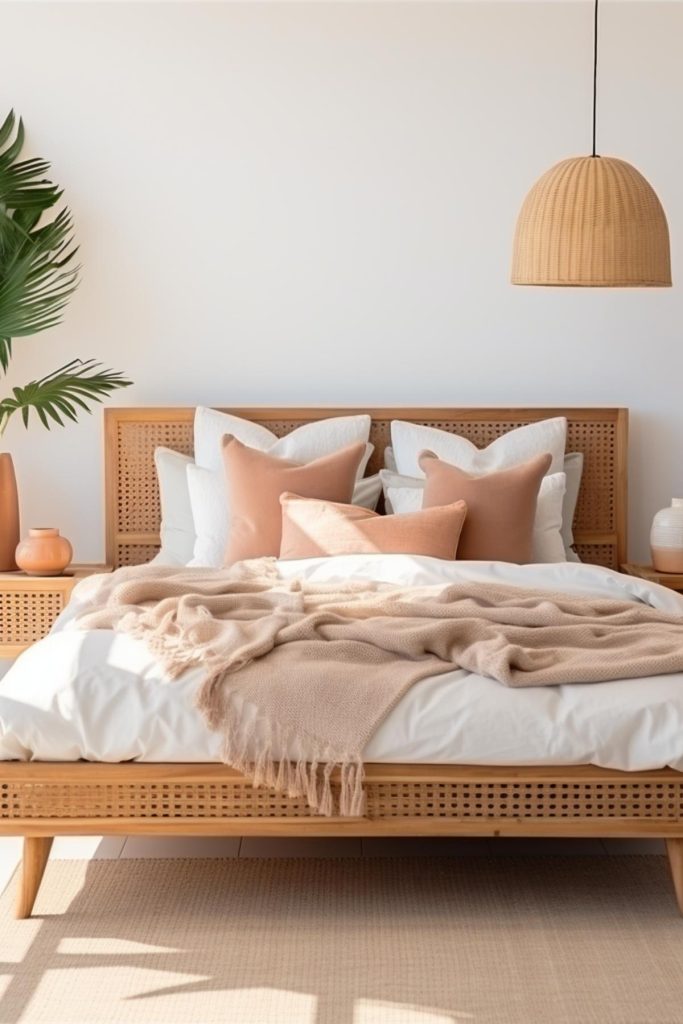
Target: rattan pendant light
x=592 y=221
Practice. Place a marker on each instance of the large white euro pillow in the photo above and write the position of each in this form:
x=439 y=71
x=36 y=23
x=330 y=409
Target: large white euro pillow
x=177 y=523
x=408 y=440
x=303 y=444
x=573 y=467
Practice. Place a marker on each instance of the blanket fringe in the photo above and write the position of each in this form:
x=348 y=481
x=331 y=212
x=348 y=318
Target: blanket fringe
x=248 y=734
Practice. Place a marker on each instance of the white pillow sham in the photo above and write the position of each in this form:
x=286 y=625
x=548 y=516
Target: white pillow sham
x=404 y=494
x=177 y=524
x=408 y=440
x=206 y=478
x=573 y=467
x=303 y=444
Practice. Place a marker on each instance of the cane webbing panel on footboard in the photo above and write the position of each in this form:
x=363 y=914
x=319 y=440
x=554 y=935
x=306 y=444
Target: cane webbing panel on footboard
x=132 y=500
x=432 y=798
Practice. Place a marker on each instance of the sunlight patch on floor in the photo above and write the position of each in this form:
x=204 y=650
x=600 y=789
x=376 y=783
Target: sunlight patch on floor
x=135 y=984
x=16 y=943
x=268 y=1006
x=110 y=946
x=174 y=996
x=379 y=1011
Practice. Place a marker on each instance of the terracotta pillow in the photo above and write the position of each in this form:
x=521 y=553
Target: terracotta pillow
x=311 y=528
x=501 y=507
x=255 y=481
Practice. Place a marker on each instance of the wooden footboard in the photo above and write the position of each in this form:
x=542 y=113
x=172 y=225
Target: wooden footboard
x=49 y=799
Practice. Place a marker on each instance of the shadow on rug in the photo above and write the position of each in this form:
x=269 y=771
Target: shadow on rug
x=567 y=940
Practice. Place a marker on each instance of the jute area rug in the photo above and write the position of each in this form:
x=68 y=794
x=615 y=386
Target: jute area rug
x=401 y=941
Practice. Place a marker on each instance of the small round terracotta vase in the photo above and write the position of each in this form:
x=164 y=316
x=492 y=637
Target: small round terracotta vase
x=44 y=553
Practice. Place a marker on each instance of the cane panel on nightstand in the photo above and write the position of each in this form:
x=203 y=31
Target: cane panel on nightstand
x=27 y=615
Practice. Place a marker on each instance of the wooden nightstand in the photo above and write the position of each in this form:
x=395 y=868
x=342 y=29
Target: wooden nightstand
x=672 y=580
x=30 y=604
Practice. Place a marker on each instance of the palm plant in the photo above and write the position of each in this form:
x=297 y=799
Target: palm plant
x=38 y=275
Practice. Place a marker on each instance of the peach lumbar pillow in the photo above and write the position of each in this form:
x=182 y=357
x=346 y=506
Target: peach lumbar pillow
x=311 y=528
x=501 y=507
x=255 y=480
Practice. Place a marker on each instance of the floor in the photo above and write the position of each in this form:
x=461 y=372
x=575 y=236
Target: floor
x=111 y=848
x=342 y=940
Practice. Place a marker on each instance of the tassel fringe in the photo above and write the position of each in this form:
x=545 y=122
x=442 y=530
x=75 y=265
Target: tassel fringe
x=309 y=777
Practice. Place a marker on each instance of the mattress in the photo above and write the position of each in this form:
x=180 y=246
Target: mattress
x=102 y=696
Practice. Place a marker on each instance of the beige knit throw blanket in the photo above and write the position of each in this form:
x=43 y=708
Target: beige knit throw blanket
x=313 y=669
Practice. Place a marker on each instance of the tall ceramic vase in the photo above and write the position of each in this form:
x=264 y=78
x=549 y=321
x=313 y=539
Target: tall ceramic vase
x=9 y=513
x=666 y=538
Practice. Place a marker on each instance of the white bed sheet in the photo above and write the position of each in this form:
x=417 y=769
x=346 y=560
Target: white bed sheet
x=102 y=696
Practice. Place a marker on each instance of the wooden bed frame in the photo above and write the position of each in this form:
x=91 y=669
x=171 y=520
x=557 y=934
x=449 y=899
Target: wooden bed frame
x=41 y=800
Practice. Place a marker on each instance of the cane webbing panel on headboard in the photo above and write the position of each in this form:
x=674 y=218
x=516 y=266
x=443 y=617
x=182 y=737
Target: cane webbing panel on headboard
x=132 y=495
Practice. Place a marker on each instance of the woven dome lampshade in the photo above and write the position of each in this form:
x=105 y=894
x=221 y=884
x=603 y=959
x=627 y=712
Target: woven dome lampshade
x=592 y=222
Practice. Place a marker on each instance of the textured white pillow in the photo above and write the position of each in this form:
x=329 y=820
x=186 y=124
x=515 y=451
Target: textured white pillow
x=207 y=499
x=573 y=467
x=404 y=494
x=367 y=491
x=177 y=524
x=408 y=440
x=547 y=535
x=206 y=477
x=304 y=444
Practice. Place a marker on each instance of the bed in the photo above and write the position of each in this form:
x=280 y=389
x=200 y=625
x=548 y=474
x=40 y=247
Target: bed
x=43 y=799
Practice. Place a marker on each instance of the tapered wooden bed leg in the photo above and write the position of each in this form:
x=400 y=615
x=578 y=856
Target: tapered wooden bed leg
x=36 y=853
x=674 y=849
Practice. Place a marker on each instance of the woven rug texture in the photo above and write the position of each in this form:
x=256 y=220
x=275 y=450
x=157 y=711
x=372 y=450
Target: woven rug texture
x=529 y=940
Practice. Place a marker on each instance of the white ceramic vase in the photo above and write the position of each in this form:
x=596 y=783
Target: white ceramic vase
x=666 y=538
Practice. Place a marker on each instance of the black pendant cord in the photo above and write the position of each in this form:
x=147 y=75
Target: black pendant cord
x=595 y=75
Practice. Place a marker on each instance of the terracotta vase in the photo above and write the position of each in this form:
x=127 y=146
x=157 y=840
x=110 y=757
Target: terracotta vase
x=9 y=514
x=666 y=538
x=44 y=552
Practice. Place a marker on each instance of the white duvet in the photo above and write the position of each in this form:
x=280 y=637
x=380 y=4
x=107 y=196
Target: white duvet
x=102 y=696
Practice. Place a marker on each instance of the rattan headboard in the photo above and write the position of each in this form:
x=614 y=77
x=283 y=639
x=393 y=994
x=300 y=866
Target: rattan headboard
x=132 y=496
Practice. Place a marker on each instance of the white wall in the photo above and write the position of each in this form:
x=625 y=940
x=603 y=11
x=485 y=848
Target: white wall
x=314 y=203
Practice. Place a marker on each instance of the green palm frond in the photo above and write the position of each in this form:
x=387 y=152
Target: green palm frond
x=62 y=394
x=23 y=184
x=37 y=272
x=38 y=276
x=37 y=279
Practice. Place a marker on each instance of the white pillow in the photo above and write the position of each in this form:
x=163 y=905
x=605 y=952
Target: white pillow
x=519 y=445
x=367 y=491
x=206 y=479
x=547 y=536
x=573 y=467
x=177 y=524
x=404 y=494
x=304 y=444
x=207 y=499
